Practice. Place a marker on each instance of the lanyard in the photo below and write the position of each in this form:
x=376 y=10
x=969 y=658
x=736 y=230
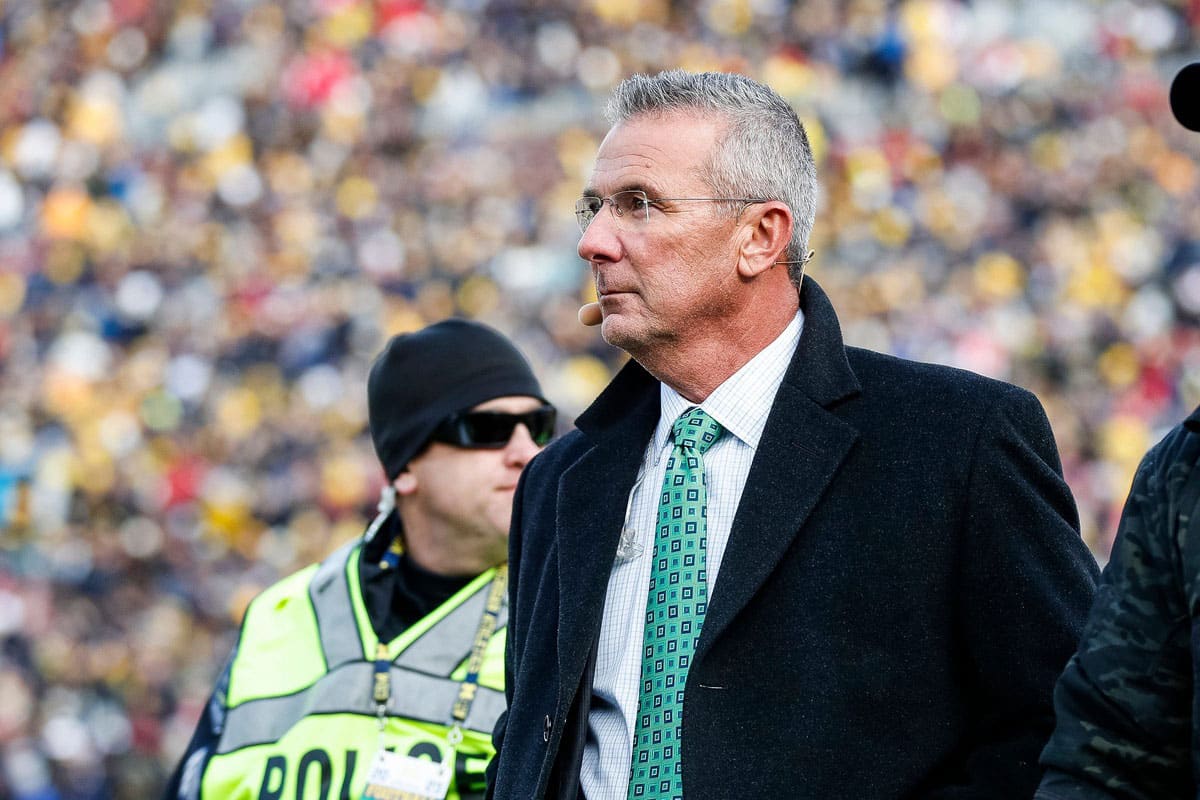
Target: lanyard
x=470 y=685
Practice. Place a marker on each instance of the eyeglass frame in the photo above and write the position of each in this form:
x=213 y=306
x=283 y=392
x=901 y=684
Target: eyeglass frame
x=618 y=214
x=454 y=429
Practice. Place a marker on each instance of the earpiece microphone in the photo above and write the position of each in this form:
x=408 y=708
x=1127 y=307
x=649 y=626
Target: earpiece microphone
x=589 y=314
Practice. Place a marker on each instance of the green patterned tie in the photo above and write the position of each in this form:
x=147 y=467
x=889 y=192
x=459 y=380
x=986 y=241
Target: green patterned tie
x=675 y=609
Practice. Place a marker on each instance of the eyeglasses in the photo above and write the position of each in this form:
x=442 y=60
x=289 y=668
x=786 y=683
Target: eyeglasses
x=492 y=430
x=633 y=205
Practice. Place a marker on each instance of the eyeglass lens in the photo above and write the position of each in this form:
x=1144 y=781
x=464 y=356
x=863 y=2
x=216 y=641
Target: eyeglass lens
x=632 y=204
x=495 y=429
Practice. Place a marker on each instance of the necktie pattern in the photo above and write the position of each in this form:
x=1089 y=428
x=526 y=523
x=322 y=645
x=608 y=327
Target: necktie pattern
x=675 y=606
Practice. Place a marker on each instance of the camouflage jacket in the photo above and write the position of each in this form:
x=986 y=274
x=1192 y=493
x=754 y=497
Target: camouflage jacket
x=1125 y=705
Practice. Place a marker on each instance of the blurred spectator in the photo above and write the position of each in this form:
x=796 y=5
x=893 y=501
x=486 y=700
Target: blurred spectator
x=213 y=213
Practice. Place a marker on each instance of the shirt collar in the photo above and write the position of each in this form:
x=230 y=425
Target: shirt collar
x=743 y=401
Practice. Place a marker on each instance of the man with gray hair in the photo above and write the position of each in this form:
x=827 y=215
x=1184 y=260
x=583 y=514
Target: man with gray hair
x=766 y=564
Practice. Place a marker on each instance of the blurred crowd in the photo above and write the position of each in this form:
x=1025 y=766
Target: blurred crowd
x=214 y=212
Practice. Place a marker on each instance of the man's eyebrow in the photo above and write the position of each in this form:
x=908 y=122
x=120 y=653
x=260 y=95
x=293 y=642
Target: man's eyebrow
x=630 y=186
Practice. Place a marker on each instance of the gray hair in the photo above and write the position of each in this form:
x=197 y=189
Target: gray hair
x=765 y=152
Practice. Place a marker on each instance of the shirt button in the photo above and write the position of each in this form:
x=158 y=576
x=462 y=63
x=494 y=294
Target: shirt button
x=547 y=724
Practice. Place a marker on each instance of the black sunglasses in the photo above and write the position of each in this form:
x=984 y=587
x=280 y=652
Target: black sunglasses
x=492 y=430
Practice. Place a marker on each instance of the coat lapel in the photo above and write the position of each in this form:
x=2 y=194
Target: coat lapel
x=801 y=449
x=592 y=497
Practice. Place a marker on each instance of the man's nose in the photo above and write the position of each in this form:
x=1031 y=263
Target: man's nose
x=521 y=447
x=600 y=242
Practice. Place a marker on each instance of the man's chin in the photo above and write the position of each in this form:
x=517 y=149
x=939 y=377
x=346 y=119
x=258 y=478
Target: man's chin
x=619 y=331
x=635 y=340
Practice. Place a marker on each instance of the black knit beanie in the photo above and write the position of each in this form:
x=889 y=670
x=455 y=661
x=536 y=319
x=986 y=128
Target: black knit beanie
x=421 y=378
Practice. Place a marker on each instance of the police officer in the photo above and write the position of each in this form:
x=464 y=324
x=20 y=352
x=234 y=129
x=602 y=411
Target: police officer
x=379 y=672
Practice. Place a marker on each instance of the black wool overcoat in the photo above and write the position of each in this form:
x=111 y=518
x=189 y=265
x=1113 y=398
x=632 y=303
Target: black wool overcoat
x=903 y=583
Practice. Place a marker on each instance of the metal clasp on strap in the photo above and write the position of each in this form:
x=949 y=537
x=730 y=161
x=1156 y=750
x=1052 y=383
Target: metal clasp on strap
x=383 y=683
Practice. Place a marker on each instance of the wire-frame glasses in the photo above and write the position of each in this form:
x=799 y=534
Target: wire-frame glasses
x=633 y=205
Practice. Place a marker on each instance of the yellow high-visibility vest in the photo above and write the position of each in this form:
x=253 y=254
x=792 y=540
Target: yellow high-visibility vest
x=300 y=720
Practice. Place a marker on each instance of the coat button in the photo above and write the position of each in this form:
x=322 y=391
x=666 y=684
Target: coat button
x=547 y=724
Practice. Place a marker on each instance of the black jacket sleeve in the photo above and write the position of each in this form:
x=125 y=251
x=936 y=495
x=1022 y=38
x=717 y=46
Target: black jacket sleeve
x=1124 y=702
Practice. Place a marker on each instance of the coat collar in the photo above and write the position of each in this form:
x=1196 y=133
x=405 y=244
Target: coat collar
x=802 y=447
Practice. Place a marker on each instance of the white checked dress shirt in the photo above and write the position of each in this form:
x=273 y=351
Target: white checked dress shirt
x=741 y=404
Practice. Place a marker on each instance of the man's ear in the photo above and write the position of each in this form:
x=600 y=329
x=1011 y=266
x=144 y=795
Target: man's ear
x=405 y=483
x=769 y=231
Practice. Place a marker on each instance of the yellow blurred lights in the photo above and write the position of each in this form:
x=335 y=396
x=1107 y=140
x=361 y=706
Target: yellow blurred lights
x=349 y=25
x=627 y=13
x=94 y=472
x=891 y=227
x=356 y=197
x=729 y=17
x=1095 y=284
x=239 y=413
x=344 y=482
x=94 y=120
x=237 y=151
x=999 y=276
x=12 y=293
x=932 y=67
x=108 y=227
x=580 y=379
x=65 y=212
x=790 y=77
x=1119 y=365
x=1123 y=439
x=478 y=296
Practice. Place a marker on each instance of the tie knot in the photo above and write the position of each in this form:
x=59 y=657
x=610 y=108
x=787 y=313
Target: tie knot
x=697 y=430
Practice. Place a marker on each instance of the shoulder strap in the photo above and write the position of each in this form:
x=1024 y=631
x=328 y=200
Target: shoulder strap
x=441 y=648
x=329 y=592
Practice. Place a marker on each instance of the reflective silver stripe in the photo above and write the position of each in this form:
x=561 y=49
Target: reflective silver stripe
x=330 y=597
x=346 y=690
x=441 y=649
x=193 y=774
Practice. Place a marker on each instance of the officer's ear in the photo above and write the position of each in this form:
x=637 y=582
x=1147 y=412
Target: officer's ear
x=405 y=483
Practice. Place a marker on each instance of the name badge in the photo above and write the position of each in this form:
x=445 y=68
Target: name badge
x=396 y=777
